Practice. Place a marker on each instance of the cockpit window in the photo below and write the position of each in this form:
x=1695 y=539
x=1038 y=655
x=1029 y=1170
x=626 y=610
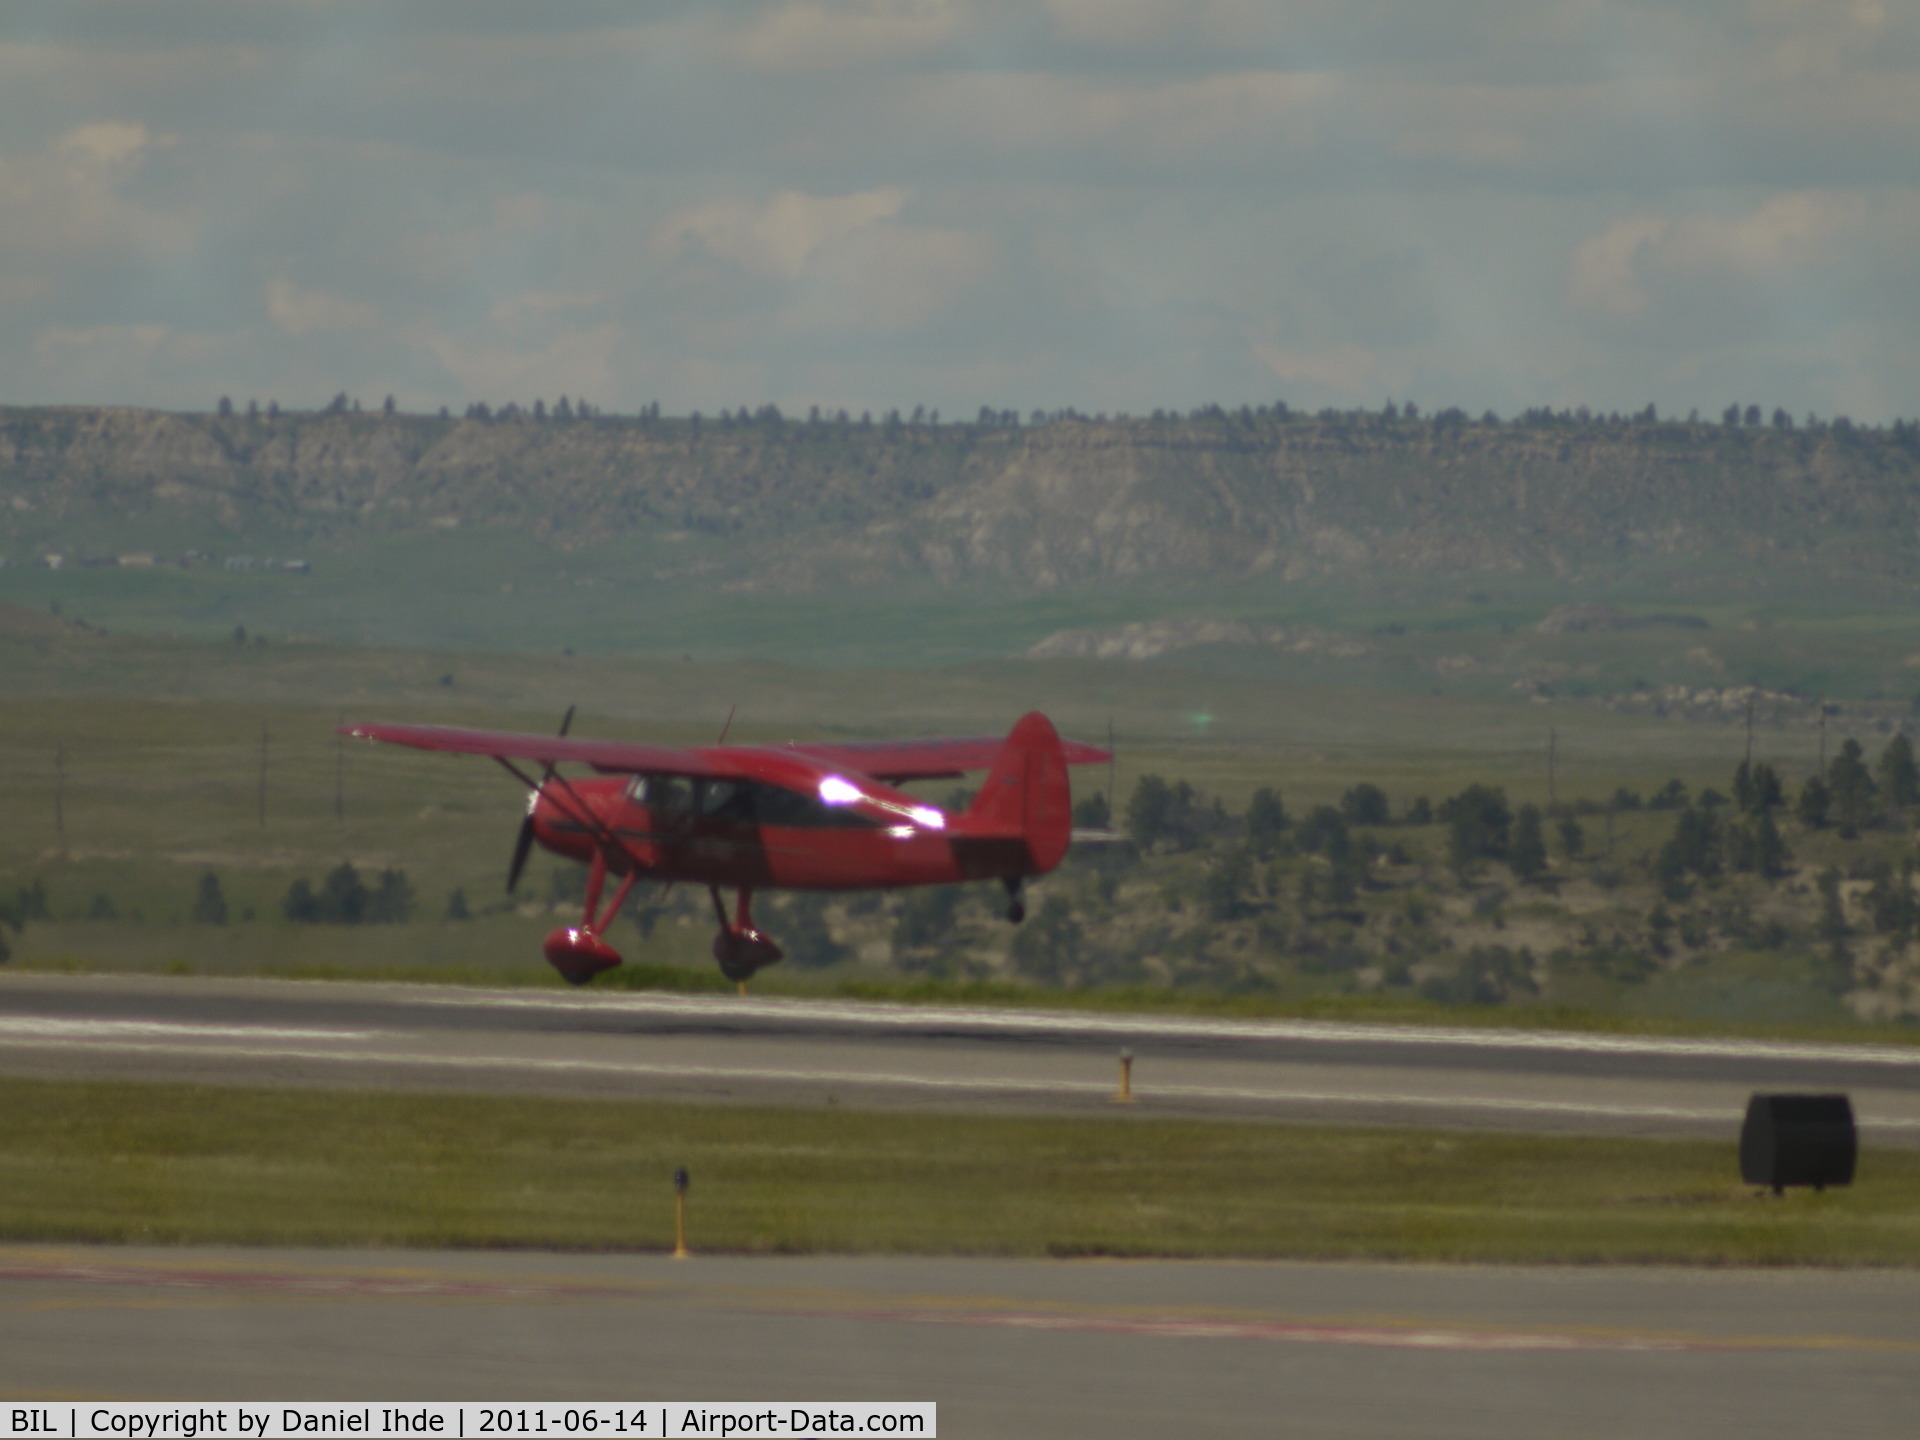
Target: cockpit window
x=741 y=802
x=663 y=794
x=797 y=810
x=726 y=800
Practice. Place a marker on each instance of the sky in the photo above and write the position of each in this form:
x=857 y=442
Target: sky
x=1110 y=205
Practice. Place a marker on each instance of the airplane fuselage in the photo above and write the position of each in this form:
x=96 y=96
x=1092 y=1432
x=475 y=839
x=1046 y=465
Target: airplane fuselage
x=754 y=833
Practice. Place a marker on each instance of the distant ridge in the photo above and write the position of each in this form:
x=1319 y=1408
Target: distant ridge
x=811 y=504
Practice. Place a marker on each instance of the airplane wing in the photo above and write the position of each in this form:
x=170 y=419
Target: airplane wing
x=897 y=760
x=606 y=755
x=887 y=760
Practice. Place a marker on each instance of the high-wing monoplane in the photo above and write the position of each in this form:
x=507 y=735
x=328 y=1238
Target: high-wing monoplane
x=818 y=816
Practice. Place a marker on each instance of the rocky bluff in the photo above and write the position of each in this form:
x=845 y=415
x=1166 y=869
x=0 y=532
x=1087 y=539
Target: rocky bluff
x=1213 y=496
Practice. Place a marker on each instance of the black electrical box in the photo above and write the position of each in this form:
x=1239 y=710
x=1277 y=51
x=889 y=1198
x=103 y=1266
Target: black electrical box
x=1798 y=1140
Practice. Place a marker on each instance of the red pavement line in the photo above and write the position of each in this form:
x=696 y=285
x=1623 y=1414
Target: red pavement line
x=1281 y=1331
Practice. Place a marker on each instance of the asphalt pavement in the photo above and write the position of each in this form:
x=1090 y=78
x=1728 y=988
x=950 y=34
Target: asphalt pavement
x=1064 y=1349
x=759 y=1049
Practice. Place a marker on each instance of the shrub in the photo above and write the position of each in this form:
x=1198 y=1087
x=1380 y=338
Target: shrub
x=344 y=899
x=209 y=905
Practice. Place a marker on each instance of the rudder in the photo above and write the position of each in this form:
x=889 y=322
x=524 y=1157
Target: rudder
x=1026 y=796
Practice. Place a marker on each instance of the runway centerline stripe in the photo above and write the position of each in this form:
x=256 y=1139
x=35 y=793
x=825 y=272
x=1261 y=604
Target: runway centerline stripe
x=977 y=1084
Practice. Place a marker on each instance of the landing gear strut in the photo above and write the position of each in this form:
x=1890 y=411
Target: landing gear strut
x=1016 y=905
x=740 y=949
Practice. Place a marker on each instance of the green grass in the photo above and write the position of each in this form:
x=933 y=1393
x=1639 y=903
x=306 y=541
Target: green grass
x=186 y=1164
x=160 y=744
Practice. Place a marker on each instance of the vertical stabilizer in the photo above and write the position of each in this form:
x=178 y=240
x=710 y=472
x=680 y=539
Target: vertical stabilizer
x=1026 y=798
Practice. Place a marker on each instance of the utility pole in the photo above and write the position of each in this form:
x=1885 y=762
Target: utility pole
x=263 y=774
x=1113 y=759
x=1553 y=748
x=60 y=793
x=1823 y=739
x=1749 y=730
x=340 y=772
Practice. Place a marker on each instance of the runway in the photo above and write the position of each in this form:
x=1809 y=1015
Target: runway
x=1061 y=1349
x=791 y=1051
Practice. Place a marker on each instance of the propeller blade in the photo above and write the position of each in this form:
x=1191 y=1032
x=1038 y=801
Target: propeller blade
x=523 y=843
x=522 y=847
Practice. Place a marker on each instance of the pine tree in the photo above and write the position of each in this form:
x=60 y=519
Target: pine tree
x=1771 y=856
x=1573 y=839
x=1527 y=851
x=1365 y=804
x=1266 y=818
x=1815 y=801
x=1852 y=788
x=1899 y=776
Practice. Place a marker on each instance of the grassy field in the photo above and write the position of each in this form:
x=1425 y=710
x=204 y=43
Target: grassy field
x=477 y=593
x=110 y=1162
x=130 y=768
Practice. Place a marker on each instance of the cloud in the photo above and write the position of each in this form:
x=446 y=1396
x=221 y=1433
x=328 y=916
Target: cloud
x=536 y=308
x=1118 y=204
x=826 y=264
x=894 y=278
x=1159 y=24
x=129 y=364
x=576 y=362
x=809 y=34
x=1349 y=371
x=1242 y=121
x=301 y=312
x=780 y=237
x=107 y=145
x=1638 y=259
x=68 y=201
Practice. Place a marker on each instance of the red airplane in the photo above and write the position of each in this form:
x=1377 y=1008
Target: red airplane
x=824 y=816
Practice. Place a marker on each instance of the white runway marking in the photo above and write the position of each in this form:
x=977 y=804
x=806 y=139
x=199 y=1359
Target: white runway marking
x=884 y=1015
x=46 y=1028
x=976 y=1085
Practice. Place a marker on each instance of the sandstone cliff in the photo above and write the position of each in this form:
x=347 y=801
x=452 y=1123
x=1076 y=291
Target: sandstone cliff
x=1218 y=497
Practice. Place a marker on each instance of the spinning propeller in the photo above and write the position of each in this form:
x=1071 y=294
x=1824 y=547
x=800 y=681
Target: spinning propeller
x=523 y=843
